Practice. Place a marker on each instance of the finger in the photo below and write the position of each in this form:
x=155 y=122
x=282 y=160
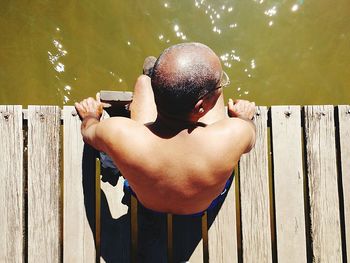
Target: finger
x=90 y=102
x=230 y=103
x=253 y=105
x=240 y=105
x=99 y=106
x=98 y=97
x=105 y=105
x=90 y=99
x=80 y=110
x=252 y=110
x=84 y=104
x=78 y=106
x=236 y=108
x=245 y=108
x=248 y=105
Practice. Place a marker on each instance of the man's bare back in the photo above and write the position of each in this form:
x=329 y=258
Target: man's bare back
x=173 y=164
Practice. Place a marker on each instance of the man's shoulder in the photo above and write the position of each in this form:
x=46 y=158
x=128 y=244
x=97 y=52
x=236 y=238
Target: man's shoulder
x=120 y=123
x=235 y=132
x=118 y=127
x=117 y=134
x=232 y=125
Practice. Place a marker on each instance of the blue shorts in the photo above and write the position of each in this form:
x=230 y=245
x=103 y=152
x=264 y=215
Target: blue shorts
x=219 y=199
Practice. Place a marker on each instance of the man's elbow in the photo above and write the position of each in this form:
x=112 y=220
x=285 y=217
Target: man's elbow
x=93 y=143
x=250 y=147
x=87 y=140
x=89 y=136
x=252 y=138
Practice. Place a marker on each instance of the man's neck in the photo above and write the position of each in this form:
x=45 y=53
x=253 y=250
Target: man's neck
x=174 y=122
x=170 y=125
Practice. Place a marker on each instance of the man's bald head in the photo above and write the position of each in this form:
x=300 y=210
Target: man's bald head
x=182 y=75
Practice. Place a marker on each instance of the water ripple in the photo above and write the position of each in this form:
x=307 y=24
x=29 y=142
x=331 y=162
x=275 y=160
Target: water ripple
x=54 y=57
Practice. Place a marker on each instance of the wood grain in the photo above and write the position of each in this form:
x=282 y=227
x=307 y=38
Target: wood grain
x=187 y=239
x=288 y=183
x=78 y=239
x=254 y=192
x=344 y=132
x=115 y=215
x=11 y=186
x=115 y=222
x=323 y=185
x=43 y=184
x=222 y=234
x=109 y=96
x=151 y=236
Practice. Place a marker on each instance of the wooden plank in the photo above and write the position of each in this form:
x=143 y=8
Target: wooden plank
x=43 y=184
x=254 y=192
x=133 y=203
x=151 y=236
x=109 y=96
x=288 y=183
x=222 y=234
x=187 y=239
x=25 y=114
x=78 y=238
x=344 y=132
x=11 y=186
x=115 y=217
x=170 y=238
x=115 y=221
x=117 y=102
x=323 y=185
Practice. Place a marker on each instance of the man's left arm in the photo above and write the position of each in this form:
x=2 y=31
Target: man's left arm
x=90 y=112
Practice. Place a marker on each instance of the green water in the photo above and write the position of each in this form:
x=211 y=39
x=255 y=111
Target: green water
x=275 y=52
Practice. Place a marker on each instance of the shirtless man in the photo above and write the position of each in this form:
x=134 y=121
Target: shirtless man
x=179 y=147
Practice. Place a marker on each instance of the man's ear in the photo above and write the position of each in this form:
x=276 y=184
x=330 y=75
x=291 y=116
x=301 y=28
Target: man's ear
x=198 y=109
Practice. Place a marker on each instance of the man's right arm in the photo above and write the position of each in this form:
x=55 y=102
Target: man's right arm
x=252 y=129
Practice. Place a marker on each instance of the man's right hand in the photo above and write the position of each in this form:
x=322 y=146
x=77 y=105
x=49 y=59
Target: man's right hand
x=241 y=109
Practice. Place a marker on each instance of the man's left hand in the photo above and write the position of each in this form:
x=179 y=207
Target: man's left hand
x=90 y=107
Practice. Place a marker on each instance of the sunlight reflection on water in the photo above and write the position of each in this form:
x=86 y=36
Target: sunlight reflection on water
x=275 y=52
x=54 y=58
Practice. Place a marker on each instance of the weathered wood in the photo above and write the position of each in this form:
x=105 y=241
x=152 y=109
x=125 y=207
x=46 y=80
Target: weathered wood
x=43 y=184
x=151 y=236
x=323 y=185
x=134 y=228
x=222 y=234
x=344 y=132
x=288 y=183
x=187 y=239
x=11 y=184
x=254 y=192
x=115 y=96
x=79 y=195
x=117 y=102
x=115 y=217
x=115 y=221
x=170 y=238
x=25 y=114
x=78 y=239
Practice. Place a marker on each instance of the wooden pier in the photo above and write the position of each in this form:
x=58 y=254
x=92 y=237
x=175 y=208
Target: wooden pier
x=289 y=202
